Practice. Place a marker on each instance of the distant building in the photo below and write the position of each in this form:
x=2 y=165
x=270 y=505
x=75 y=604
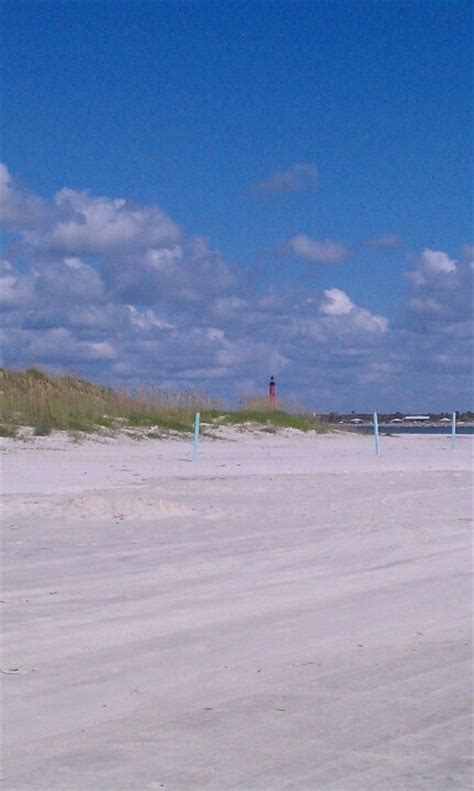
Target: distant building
x=417 y=417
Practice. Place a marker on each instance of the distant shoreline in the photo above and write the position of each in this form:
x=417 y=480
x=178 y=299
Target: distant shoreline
x=430 y=428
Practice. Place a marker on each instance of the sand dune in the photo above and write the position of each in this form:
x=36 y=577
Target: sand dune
x=287 y=612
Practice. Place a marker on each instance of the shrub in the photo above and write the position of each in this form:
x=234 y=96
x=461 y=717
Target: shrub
x=8 y=431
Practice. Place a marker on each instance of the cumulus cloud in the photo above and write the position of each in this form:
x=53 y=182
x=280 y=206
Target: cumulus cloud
x=15 y=291
x=442 y=288
x=435 y=330
x=299 y=177
x=70 y=279
x=320 y=252
x=148 y=319
x=338 y=303
x=18 y=207
x=86 y=225
x=370 y=322
x=430 y=265
x=98 y=279
x=426 y=304
x=166 y=276
x=116 y=292
x=434 y=261
x=468 y=251
x=389 y=241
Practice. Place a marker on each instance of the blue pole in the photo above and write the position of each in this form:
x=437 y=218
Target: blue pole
x=453 y=430
x=376 y=434
x=197 y=420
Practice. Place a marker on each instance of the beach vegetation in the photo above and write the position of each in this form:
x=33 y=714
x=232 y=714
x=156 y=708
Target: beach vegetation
x=48 y=403
x=269 y=419
x=274 y=415
x=8 y=431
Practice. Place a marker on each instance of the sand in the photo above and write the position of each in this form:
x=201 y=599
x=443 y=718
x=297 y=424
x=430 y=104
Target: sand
x=290 y=611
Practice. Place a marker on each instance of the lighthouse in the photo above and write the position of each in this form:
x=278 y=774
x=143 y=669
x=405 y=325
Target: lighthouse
x=272 y=392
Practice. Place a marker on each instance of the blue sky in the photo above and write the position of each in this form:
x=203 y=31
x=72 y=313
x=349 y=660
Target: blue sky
x=202 y=194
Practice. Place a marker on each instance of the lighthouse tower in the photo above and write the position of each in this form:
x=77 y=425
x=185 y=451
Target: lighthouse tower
x=272 y=392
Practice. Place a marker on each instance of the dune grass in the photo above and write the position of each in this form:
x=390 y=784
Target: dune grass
x=47 y=403
x=279 y=414
x=270 y=418
x=8 y=431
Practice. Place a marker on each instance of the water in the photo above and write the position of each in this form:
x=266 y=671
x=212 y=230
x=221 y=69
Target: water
x=446 y=430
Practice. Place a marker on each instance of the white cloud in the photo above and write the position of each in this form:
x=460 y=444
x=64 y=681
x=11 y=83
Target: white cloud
x=437 y=327
x=199 y=246
x=59 y=345
x=379 y=373
x=215 y=334
x=88 y=225
x=370 y=322
x=278 y=362
x=15 y=291
x=435 y=261
x=162 y=259
x=115 y=291
x=323 y=252
x=432 y=264
x=70 y=279
x=337 y=303
x=298 y=177
x=223 y=307
x=101 y=351
x=426 y=305
x=148 y=319
x=18 y=207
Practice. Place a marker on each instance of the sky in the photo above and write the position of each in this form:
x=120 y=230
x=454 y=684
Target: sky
x=201 y=195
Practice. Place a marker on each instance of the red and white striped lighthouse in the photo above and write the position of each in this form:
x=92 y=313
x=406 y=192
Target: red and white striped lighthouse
x=272 y=391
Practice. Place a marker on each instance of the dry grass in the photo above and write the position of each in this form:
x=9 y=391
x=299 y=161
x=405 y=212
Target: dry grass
x=258 y=403
x=34 y=398
x=272 y=419
x=274 y=414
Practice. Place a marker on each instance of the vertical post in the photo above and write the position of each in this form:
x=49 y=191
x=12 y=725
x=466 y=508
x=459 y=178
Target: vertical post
x=453 y=430
x=376 y=434
x=197 y=419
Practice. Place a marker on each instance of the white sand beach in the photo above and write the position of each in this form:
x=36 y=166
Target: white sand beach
x=290 y=611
